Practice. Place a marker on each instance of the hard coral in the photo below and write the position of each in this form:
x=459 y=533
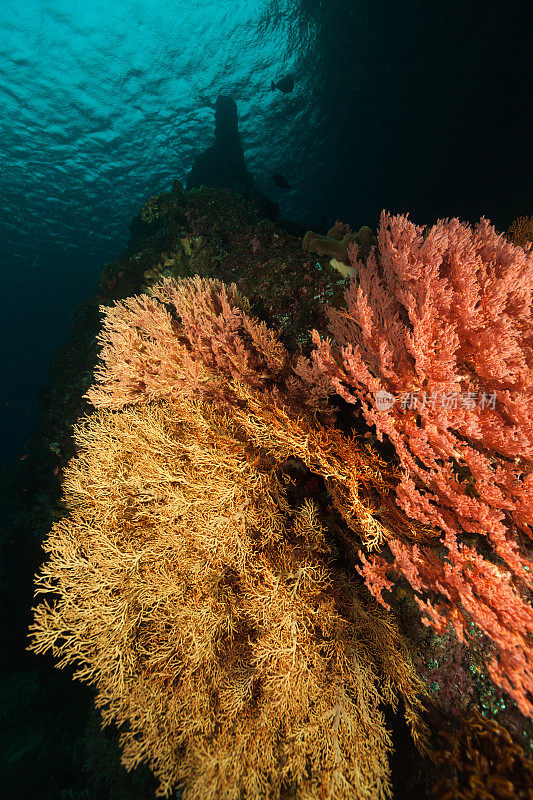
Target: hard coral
x=337 y=244
x=167 y=207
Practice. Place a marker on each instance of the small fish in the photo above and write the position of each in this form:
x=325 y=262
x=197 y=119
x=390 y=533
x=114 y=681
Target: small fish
x=279 y=180
x=285 y=85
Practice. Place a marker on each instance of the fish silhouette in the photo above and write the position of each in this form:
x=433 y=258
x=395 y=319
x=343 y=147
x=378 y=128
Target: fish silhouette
x=285 y=85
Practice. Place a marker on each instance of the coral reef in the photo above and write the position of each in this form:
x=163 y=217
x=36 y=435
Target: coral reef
x=281 y=421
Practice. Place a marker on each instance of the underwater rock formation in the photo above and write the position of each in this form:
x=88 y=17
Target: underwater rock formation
x=223 y=164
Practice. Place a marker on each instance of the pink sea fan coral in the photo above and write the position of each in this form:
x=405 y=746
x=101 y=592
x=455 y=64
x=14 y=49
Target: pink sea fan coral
x=439 y=322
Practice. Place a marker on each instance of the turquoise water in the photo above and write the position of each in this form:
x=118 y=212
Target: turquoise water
x=411 y=106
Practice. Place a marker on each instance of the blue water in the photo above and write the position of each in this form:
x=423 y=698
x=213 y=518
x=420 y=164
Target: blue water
x=412 y=106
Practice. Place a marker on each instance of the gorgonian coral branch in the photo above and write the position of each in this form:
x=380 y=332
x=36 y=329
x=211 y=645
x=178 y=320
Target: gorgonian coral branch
x=438 y=326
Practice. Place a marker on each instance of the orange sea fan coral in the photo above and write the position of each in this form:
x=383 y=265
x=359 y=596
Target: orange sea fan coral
x=195 y=338
x=190 y=336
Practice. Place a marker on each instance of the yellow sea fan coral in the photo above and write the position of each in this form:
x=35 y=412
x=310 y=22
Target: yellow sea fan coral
x=213 y=617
